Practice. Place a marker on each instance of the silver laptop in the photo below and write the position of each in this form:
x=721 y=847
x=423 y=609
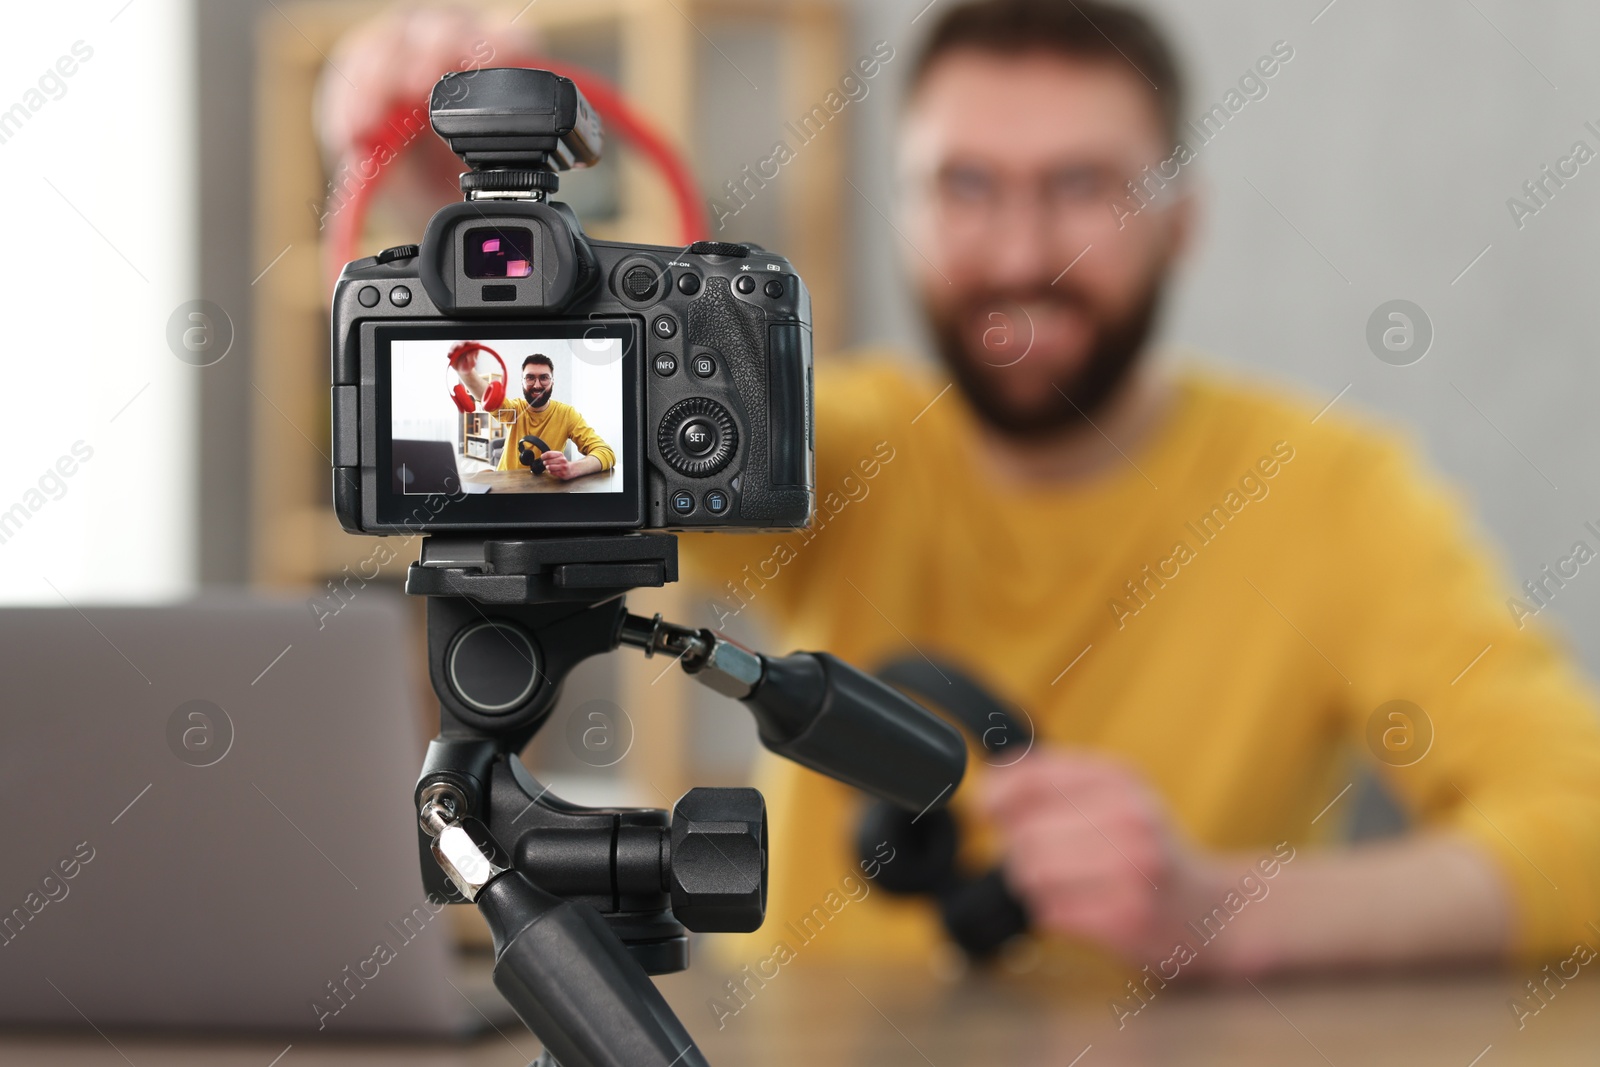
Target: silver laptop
x=209 y=823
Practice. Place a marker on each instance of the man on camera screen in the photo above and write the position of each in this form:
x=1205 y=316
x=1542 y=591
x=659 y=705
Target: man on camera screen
x=546 y=419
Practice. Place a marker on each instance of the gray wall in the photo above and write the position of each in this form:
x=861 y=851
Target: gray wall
x=224 y=111
x=1391 y=143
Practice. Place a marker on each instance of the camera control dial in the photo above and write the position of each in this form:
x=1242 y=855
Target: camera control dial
x=697 y=437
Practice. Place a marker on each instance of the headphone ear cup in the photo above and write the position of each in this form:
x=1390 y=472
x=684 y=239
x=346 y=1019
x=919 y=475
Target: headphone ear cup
x=982 y=914
x=923 y=849
x=462 y=398
x=979 y=912
x=494 y=395
x=529 y=449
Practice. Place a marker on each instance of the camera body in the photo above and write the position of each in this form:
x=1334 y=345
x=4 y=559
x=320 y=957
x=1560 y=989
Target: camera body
x=684 y=372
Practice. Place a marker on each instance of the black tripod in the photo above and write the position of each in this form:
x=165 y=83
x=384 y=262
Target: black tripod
x=586 y=903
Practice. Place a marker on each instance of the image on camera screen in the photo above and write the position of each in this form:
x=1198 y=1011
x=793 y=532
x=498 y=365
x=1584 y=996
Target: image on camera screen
x=546 y=416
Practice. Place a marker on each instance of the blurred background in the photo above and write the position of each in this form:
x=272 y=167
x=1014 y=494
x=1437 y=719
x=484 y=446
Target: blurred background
x=165 y=426
x=170 y=205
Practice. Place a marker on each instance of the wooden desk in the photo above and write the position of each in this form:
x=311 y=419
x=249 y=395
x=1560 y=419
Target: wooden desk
x=522 y=482
x=868 y=1017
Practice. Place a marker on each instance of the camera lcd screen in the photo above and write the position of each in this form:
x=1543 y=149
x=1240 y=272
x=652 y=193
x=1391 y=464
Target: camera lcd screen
x=509 y=425
x=498 y=252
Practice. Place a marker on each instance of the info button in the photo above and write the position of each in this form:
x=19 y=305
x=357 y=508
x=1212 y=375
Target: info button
x=666 y=364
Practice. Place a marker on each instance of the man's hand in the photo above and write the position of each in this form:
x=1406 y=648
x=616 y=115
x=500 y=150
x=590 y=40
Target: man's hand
x=397 y=56
x=465 y=365
x=558 y=466
x=1089 y=850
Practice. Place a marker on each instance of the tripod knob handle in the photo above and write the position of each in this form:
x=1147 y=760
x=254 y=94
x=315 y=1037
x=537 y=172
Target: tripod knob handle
x=717 y=866
x=822 y=713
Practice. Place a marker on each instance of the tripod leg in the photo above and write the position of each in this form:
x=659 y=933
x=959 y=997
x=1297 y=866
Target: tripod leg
x=575 y=985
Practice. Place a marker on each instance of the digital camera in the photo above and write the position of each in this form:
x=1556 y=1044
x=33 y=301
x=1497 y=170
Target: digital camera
x=510 y=374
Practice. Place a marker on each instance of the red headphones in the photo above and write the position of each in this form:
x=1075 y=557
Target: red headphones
x=392 y=137
x=491 y=396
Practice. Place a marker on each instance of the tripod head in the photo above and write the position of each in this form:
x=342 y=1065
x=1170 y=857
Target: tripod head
x=585 y=903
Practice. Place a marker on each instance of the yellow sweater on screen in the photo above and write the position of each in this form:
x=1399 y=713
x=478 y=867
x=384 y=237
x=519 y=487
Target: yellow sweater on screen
x=1226 y=611
x=557 y=424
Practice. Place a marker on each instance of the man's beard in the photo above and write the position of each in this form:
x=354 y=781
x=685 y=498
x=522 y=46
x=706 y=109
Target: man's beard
x=537 y=399
x=1114 y=352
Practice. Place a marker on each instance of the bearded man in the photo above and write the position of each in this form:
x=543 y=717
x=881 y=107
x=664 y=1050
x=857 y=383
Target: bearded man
x=1203 y=595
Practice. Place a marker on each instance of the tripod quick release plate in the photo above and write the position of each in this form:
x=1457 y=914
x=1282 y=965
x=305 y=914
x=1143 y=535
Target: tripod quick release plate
x=543 y=570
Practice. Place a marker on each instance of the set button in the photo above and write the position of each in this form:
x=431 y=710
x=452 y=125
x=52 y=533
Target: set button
x=697 y=437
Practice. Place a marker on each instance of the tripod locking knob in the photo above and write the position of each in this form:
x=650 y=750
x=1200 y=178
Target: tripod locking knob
x=717 y=869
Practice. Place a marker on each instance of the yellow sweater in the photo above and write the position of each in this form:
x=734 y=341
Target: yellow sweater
x=557 y=424
x=1225 y=612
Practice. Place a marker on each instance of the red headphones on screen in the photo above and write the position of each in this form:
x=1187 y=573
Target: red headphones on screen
x=492 y=396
